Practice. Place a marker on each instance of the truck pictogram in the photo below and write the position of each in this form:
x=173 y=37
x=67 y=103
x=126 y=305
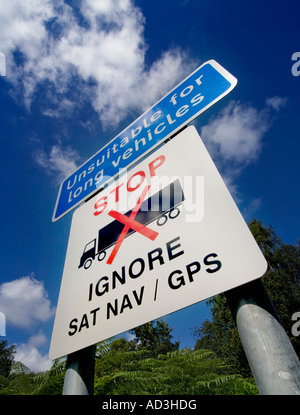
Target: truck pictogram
x=160 y=206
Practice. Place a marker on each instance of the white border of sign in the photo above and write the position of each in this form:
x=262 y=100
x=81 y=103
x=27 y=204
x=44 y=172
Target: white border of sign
x=191 y=258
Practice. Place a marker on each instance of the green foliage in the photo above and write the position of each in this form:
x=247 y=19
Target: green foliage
x=155 y=336
x=6 y=358
x=281 y=282
x=50 y=382
x=53 y=386
x=18 y=382
x=221 y=336
x=102 y=348
x=120 y=369
x=129 y=368
x=4 y=386
x=23 y=382
x=120 y=353
x=182 y=372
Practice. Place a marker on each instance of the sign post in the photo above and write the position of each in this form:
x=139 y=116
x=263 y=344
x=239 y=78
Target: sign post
x=271 y=356
x=79 y=376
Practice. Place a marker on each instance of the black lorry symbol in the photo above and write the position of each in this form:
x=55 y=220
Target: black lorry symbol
x=154 y=208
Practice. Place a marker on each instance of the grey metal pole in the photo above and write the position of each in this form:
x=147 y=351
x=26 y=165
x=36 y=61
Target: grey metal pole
x=79 y=377
x=271 y=356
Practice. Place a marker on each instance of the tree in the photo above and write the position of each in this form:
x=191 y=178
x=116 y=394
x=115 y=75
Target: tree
x=221 y=336
x=281 y=282
x=154 y=336
x=6 y=358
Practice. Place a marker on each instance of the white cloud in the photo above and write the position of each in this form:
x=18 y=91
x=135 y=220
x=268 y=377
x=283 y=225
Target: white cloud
x=59 y=162
x=61 y=108
x=25 y=302
x=102 y=43
x=252 y=208
x=29 y=354
x=236 y=134
x=235 y=137
x=276 y=103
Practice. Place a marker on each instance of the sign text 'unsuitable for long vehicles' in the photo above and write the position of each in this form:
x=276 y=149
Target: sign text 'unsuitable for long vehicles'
x=205 y=86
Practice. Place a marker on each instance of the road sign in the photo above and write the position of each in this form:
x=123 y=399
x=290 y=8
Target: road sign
x=199 y=91
x=183 y=241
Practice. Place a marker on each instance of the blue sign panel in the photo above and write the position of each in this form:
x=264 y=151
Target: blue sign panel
x=199 y=91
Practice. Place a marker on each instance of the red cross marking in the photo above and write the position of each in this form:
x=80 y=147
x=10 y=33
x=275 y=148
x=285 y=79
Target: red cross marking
x=130 y=223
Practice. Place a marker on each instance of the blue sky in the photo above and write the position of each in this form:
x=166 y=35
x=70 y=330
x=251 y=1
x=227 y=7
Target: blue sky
x=78 y=72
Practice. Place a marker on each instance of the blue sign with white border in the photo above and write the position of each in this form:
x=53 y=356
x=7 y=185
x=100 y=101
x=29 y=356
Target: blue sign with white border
x=199 y=91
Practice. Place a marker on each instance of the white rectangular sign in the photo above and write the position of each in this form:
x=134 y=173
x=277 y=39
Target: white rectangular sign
x=164 y=236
